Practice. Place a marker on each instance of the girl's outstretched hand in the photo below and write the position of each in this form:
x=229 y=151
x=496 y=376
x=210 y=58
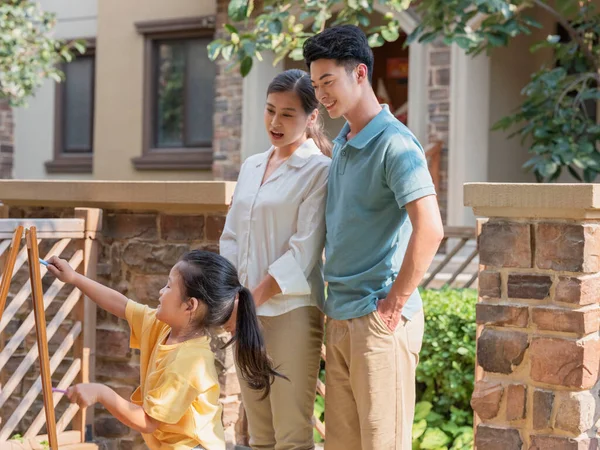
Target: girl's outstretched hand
x=85 y=394
x=61 y=270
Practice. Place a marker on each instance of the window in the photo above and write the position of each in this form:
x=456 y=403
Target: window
x=74 y=116
x=179 y=95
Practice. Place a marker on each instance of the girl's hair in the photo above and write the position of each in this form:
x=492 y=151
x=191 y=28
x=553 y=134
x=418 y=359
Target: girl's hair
x=213 y=280
x=298 y=82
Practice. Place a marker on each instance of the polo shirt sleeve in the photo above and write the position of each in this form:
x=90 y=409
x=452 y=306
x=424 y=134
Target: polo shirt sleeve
x=406 y=171
x=305 y=247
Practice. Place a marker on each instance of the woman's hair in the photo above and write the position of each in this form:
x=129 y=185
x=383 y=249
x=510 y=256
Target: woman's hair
x=298 y=82
x=213 y=280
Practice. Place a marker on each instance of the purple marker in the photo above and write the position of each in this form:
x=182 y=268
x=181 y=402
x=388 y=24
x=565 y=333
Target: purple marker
x=59 y=390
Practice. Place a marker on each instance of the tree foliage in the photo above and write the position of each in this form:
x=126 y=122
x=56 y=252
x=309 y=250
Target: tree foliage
x=29 y=53
x=556 y=117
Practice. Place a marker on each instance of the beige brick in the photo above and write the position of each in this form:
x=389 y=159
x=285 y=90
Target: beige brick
x=516 y=401
x=579 y=291
x=563 y=362
x=501 y=351
x=559 y=319
x=502 y=315
x=505 y=244
x=489 y=284
x=486 y=399
x=529 y=286
x=567 y=246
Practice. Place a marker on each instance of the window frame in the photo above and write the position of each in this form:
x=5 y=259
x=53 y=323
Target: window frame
x=174 y=158
x=71 y=162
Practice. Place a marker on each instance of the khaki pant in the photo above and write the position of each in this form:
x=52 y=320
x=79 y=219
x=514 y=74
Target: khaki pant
x=370 y=399
x=283 y=420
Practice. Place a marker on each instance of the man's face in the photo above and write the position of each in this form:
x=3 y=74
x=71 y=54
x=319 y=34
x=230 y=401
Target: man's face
x=335 y=88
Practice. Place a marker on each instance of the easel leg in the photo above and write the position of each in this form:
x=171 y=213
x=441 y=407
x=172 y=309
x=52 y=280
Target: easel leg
x=42 y=341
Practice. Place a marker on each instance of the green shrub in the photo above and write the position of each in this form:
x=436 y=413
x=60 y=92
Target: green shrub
x=446 y=370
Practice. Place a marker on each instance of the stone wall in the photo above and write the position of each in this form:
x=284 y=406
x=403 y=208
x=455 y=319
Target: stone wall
x=439 y=111
x=538 y=350
x=137 y=250
x=6 y=140
x=227 y=146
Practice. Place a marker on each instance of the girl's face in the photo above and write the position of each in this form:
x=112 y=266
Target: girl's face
x=173 y=309
x=285 y=119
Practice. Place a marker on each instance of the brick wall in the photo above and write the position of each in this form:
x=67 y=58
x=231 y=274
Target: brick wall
x=439 y=111
x=6 y=140
x=539 y=350
x=137 y=250
x=228 y=111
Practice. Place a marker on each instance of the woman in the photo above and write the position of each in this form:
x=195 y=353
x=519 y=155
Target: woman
x=274 y=234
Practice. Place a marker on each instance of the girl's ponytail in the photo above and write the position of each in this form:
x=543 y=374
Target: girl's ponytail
x=250 y=351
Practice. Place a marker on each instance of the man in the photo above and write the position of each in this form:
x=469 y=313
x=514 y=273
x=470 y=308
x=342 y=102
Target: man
x=383 y=230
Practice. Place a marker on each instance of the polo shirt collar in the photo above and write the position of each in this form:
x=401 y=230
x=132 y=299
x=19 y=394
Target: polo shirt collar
x=368 y=133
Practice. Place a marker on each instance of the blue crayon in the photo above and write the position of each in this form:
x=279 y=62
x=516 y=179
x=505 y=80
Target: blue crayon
x=45 y=263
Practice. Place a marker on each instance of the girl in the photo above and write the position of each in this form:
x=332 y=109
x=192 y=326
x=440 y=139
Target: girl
x=274 y=234
x=176 y=405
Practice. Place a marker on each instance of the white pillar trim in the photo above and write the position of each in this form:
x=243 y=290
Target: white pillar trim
x=469 y=130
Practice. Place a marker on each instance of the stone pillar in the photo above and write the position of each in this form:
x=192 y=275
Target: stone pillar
x=538 y=349
x=438 y=103
x=6 y=140
x=228 y=111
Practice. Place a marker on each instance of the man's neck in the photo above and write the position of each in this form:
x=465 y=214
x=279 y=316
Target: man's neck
x=364 y=111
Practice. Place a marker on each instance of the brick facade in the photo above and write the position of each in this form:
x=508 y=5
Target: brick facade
x=137 y=250
x=439 y=111
x=227 y=117
x=539 y=350
x=6 y=140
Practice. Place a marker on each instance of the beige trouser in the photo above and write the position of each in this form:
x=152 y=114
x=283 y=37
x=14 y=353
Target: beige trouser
x=370 y=399
x=283 y=420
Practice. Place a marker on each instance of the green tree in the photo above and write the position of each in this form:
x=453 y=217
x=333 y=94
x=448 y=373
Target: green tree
x=556 y=117
x=28 y=52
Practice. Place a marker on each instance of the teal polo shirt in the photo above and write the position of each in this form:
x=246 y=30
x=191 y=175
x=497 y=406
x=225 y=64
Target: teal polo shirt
x=371 y=178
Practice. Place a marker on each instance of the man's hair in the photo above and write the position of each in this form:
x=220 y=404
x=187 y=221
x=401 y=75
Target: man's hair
x=345 y=44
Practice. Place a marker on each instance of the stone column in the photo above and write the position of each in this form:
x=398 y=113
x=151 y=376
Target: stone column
x=6 y=140
x=538 y=349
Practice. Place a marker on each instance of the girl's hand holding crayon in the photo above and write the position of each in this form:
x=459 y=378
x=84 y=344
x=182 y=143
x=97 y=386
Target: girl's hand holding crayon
x=61 y=270
x=85 y=394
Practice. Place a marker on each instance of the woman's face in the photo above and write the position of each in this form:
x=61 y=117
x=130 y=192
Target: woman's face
x=285 y=119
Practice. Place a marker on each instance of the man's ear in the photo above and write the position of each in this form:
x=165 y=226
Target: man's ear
x=362 y=73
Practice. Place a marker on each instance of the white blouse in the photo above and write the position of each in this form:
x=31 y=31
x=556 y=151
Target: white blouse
x=279 y=228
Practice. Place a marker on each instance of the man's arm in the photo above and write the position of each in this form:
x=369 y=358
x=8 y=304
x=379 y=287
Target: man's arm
x=428 y=232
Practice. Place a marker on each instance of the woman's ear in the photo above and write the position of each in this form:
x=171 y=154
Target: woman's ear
x=313 y=118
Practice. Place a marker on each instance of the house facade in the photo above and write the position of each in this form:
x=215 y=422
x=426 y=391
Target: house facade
x=145 y=103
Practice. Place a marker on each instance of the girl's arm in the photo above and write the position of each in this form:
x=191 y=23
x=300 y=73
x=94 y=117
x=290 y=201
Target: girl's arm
x=108 y=299
x=130 y=414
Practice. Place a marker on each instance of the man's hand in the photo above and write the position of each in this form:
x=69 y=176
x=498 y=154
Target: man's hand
x=390 y=313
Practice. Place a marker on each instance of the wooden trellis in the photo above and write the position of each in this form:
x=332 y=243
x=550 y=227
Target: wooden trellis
x=77 y=313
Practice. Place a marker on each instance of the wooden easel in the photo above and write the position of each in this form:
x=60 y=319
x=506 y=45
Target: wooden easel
x=40 y=318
